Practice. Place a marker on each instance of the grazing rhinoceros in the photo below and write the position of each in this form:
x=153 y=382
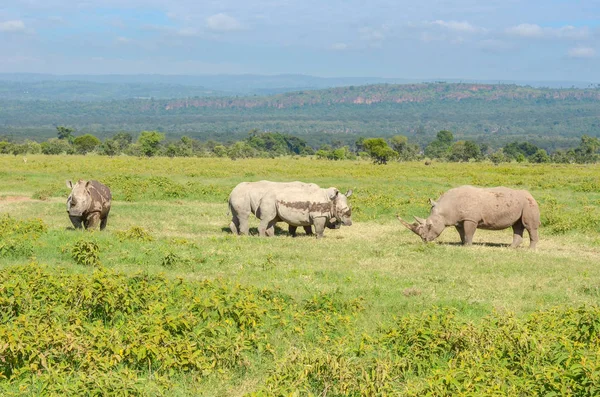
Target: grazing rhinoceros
x=303 y=206
x=469 y=208
x=245 y=198
x=88 y=203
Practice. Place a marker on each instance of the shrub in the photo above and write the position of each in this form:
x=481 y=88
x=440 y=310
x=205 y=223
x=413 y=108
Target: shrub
x=134 y=233
x=86 y=253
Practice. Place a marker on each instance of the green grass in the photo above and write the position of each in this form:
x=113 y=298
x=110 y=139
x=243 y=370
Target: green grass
x=182 y=205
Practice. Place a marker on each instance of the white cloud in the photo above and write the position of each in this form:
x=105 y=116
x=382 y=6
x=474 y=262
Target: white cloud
x=494 y=45
x=458 y=26
x=188 y=32
x=12 y=26
x=571 y=32
x=374 y=37
x=222 y=22
x=526 y=30
x=123 y=40
x=339 y=46
x=533 y=31
x=582 y=52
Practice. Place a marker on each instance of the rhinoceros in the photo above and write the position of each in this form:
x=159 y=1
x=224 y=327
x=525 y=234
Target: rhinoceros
x=468 y=208
x=303 y=206
x=245 y=198
x=88 y=204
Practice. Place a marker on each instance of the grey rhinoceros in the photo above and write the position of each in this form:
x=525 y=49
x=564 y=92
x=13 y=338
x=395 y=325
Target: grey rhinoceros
x=88 y=204
x=468 y=208
x=303 y=206
x=245 y=198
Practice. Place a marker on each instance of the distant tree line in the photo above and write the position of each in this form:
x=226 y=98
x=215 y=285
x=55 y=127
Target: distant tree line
x=273 y=144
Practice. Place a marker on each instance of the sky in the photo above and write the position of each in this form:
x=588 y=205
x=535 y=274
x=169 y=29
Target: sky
x=541 y=40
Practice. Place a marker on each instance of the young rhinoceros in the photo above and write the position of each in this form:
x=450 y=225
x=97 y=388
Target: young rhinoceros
x=88 y=204
x=468 y=208
x=303 y=206
x=245 y=198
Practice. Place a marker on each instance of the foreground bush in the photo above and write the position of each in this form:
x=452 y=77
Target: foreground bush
x=107 y=331
x=551 y=353
x=110 y=333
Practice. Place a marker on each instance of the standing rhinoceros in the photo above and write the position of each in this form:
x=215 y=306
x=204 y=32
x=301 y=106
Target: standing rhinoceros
x=468 y=208
x=303 y=206
x=88 y=203
x=245 y=198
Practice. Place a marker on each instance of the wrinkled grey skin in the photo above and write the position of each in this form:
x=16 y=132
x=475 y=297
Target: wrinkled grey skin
x=303 y=206
x=88 y=204
x=245 y=198
x=468 y=208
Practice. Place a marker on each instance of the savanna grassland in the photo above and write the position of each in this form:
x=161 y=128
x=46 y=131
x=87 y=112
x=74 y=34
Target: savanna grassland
x=167 y=301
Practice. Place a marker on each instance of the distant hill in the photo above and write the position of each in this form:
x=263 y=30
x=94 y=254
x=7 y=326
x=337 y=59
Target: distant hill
x=491 y=113
x=89 y=87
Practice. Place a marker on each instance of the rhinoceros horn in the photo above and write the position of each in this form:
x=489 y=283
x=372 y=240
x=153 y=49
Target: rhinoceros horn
x=420 y=220
x=408 y=225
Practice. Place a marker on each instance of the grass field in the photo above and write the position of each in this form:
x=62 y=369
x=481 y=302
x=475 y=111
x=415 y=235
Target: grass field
x=341 y=299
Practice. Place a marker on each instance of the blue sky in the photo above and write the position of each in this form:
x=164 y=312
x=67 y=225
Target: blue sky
x=464 y=39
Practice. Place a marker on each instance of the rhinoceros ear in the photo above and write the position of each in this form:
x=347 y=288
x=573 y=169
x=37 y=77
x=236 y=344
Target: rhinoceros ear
x=420 y=220
x=348 y=193
x=433 y=203
x=70 y=184
x=332 y=193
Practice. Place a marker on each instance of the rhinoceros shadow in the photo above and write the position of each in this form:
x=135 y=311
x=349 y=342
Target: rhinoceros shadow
x=477 y=244
x=253 y=231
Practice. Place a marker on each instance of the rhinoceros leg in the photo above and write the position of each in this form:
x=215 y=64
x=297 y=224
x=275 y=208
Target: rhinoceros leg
x=533 y=236
x=308 y=230
x=469 y=228
x=292 y=230
x=267 y=227
x=103 y=222
x=76 y=221
x=235 y=224
x=518 y=229
x=319 y=226
x=461 y=232
x=92 y=221
x=244 y=227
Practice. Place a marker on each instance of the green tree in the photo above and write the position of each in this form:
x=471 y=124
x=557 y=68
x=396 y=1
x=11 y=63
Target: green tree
x=359 y=144
x=149 y=142
x=379 y=150
x=5 y=147
x=406 y=151
x=539 y=157
x=56 y=146
x=514 y=149
x=123 y=140
x=85 y=143
x=110 y=147
x=464 y=151
x=440 y=146
x=65 y=133
x=498 y=157
x=587 y=150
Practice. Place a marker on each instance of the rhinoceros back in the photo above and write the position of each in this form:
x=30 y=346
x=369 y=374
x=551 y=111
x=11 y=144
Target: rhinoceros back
x=101 y=197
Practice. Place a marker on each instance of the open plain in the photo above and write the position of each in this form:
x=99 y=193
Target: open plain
x=368 y=310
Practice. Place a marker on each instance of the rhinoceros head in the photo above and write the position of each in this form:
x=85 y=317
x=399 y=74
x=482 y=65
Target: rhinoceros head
x=80 y=198
x=427 y=229
x=341 y=209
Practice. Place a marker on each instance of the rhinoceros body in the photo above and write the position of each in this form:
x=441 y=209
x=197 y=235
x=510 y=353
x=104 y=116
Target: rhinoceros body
x=303 y=206
x=468 y=208
x=88 y=204
x=245 y=199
